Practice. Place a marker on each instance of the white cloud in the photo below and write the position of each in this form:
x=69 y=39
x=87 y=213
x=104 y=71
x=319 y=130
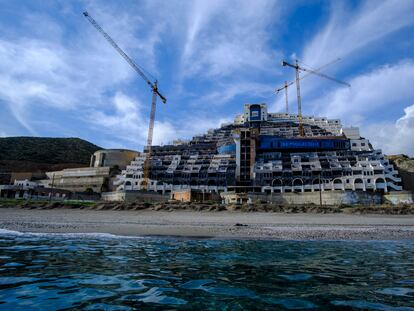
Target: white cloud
x=42 y=69
x=126 y=122
x=222 y=40
x=226 y=92
x=384 y=88
x=347 y=31
x=375 y=96
x=40 y=73
x=394 y=137
x=223 y=43
x=354 y=34
x=351 y=34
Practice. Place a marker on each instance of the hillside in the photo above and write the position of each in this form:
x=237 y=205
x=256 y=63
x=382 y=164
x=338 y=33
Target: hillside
x=46 y=150
x=402 y=162
x=405 y=167
x=41 y=154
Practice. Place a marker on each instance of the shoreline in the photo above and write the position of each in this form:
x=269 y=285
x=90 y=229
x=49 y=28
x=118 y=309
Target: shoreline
x=204 y=224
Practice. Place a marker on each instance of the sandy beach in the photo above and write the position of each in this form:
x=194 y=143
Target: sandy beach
x=210 y=224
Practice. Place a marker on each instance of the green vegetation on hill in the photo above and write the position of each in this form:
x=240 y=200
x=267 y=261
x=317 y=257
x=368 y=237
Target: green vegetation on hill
x=47 y=150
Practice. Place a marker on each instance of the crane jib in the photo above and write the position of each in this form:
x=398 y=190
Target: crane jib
x=155 y=93
x=120 y=51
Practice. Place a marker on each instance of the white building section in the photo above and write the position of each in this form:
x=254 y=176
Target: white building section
x=262 y=150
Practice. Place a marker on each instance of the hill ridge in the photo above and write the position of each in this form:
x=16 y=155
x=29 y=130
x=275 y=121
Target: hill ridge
x=51 y=150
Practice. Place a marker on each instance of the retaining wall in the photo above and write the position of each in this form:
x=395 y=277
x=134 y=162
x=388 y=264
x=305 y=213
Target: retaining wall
x=399 y=197
x=129 y=196
x=337 y=197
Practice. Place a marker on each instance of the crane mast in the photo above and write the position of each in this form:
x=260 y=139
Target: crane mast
x=287 y=84
x=153 y=86
x=309 y=71
x=286 y=96
x=301 y=130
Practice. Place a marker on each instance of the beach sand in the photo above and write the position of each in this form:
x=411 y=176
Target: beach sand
x=225 y=224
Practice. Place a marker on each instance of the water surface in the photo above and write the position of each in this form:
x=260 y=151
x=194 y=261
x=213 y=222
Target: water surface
x=104 y=272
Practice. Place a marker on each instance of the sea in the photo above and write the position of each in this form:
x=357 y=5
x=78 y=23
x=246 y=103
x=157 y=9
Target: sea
x=107 y=272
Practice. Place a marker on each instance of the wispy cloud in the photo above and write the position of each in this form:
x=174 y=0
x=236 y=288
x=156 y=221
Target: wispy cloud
x=380 y=92
x=211 y=57
x=46 y=71
x=222 y=40
x=352 y=34
x=226 y=92
x=126 y=122
x=41 y=68
x=382 y=88
x=348 y=31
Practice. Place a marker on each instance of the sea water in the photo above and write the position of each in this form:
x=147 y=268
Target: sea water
x=105 y=272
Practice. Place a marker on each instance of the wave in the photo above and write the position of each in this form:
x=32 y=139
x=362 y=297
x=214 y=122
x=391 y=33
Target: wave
x=97 y=235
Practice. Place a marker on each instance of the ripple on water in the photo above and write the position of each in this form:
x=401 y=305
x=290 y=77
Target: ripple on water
x=49 y=299
x=406 y=282
x=196 y=284
x=93 y=274
x=231 y=291
x=397 y=291
x=296 y=277
x=13 y=264
x=155 y=295
x=106 y=307
x=227 y=291
x=118 y=258
x=295 y=304
x=379 y=275
x=95 y=279
x=366 y=305
x=11 y=280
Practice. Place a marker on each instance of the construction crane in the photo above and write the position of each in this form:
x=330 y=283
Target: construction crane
x=287 y=84
x=310 y=71
x=154 y=89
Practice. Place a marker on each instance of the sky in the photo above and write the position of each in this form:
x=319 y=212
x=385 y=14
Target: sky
x=60 y=78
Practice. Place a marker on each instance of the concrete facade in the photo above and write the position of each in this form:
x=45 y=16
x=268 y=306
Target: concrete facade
x=113 y=158
x=133 y=195
x=25 y=189
x=337 y=197
x=266 y=151
x=193 y=195
x=99 y=177
x=92 y=179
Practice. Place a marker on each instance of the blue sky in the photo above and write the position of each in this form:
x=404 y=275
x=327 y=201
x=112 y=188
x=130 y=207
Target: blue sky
x=60 y=78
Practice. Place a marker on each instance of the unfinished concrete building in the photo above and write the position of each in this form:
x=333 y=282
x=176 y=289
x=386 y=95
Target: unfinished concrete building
x=105 y=165
x=262 y=151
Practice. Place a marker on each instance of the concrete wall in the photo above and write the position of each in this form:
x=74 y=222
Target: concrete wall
x=130 y=196
x=194 y=196
x=328 y=198
x=183 y=196
x=113 y=157
x=399 y=197
x=80 y=179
